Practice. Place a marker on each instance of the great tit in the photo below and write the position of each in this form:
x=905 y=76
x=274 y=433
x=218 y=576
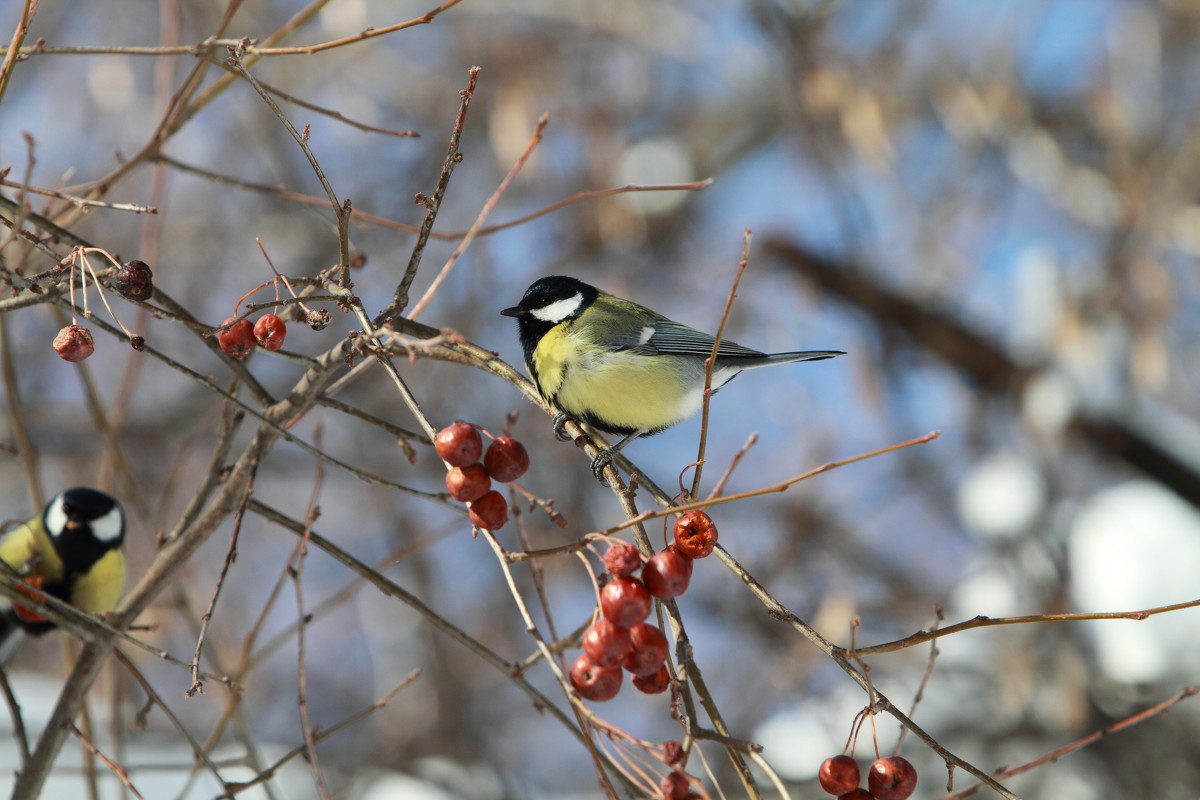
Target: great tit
x=618 y=366
x=71 y=550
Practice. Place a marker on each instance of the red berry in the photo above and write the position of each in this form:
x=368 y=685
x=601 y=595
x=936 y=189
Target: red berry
x=856 y=794
x=595 y=682
x=459 y=444
x=695 y=533
x=606 y=644
x=650 y=648
x=74 y=343
x=667 y=574
x=270 y=331
x=892 y=778
x=653 y=684
x=506 y=459
x=468 y=483
x=672 y=751
x=625 y=601
x=622 y=560
x=489 y=511
x=675 y=785
x=134 y=281
x=838 y=775
x=238 y=341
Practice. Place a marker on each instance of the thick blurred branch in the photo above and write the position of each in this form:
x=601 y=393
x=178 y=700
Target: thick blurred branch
x=987 y=365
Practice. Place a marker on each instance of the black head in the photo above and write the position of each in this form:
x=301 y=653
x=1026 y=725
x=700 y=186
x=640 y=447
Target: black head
x=83 y=524
x=548 y=302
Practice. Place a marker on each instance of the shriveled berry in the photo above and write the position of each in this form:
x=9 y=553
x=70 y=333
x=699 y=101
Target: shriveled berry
x=625 y=601
x=489 y=511
x=622 y=560
x=318 y=319
x=653 y=684
x=238 y=341
x=892 y=778
x=270 y=331
x=606 y=644
x=137 y=342
x=506 y=459
x=675 y=785
x=134 y=281
x=650 y=648
x=74 y=343
x=468 y=483
x=672 y=751
x=838 y=775
x=459 y=444
x=667 y=574
x=695 y=533
x=594 y=682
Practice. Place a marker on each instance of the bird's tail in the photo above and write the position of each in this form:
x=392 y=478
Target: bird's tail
x=788 y=358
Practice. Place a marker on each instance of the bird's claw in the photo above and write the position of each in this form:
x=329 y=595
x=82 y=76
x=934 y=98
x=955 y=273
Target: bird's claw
x=601 y=461
x=560 y=427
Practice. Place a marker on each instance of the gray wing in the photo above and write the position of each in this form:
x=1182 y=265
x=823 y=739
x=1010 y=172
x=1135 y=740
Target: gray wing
x=664 y=337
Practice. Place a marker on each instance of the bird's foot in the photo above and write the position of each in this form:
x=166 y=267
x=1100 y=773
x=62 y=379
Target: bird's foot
x=601 y=461
x=560 y=427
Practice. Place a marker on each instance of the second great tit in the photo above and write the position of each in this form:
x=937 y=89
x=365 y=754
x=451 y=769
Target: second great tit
x=618 y=366
x=72 y=551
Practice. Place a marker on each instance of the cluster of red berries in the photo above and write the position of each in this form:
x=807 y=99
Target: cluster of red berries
x=621 y=638
x=134 y=281
x=242 y=337
x=890 y=778
x=470 y=481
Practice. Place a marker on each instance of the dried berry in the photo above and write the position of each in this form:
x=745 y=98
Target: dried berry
x=856 y=794
x=622 y=560
x=672 y=751
x=137 y=342
x=625 y=601
x=606 y=644
x=134 y=281
x=650 y=648
x=695 y=533
x=667 y=574
x=238 y=341
x=318 y=319
x=270 y=331
x=657 y=683
x=74 y=343
x=838 y=775
x=468 y=483
x=506 y=459
x=594 y=682
x=459 y=444
x=892 y=778
x=490 y=511
x=675 y=785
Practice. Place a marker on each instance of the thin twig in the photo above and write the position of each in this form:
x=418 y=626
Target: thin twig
x=711 y=363
x=432 y=204
x=479 y=219
x=197 y=686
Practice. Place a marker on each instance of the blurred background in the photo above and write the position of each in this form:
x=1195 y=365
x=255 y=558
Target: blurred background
x=991 y=207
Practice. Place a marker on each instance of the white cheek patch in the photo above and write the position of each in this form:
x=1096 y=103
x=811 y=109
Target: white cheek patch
x=558 y=310
x=56 y=517
x=109 y=527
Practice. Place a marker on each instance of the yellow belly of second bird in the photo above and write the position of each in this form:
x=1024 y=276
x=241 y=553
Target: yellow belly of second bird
x=617 y=390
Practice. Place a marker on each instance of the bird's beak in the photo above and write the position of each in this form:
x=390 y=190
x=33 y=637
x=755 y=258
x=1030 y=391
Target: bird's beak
x=515 y=311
